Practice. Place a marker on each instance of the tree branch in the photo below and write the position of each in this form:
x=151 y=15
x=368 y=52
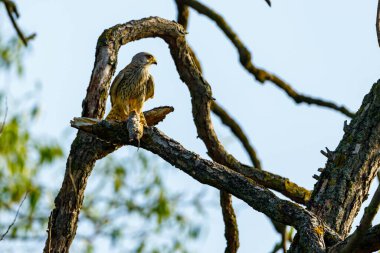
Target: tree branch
x=220 y=177
x=369 y=243
x=12 y=12
x=350 y=169
x=260 y=74
x=231 y=231
x=86 y=149
x=182 y=13
x=365 y=224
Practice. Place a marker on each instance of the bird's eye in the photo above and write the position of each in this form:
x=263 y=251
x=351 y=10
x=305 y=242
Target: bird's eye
x=149 y=57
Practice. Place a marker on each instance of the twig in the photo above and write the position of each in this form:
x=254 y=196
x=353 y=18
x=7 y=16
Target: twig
x=260 y=74
x=12 y=11
x=5 y=117
x=15 y=218
x=365 y=223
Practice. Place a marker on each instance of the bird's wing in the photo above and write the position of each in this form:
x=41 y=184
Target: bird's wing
x=149 y=88
x=114 y=86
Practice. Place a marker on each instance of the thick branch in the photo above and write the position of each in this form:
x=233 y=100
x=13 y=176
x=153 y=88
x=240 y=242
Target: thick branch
x=365 y=224
x=260 y=74
x=221 y=177
x=369 y=243
x=350 y=169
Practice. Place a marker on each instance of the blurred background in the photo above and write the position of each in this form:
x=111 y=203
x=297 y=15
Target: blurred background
x=136 y=202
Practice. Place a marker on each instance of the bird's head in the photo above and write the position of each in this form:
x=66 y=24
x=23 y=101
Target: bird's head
x=144 y=59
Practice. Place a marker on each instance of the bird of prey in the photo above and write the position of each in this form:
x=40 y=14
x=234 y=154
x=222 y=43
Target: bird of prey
x=131 y=88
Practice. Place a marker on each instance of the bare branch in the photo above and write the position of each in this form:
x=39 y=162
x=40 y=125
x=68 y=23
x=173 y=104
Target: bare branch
x=13 y=13
x=260 y=74
x=15 y=218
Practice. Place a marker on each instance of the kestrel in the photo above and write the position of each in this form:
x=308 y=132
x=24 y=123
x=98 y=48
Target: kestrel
x=131 y=88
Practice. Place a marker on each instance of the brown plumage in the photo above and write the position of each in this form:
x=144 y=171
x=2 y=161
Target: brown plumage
x=131 y=88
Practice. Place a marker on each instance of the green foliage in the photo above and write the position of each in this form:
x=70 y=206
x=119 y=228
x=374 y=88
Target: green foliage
x=11 y=54
x=22 y=160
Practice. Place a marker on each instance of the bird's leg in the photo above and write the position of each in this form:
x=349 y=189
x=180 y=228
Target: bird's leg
x=142 y=119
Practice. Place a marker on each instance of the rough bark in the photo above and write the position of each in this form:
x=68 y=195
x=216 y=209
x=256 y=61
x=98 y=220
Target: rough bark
x=350 y=169
x=231 y=231
x=365 y=223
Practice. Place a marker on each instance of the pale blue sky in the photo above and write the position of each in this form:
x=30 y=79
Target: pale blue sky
x=323 y=48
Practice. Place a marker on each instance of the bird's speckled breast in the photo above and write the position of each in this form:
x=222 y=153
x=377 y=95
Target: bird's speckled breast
x=134 y=84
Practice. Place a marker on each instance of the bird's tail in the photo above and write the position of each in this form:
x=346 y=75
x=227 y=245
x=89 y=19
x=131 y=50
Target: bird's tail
x=84 y=121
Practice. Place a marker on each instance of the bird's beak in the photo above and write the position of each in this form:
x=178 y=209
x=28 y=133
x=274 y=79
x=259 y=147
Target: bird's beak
x=154 y=61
